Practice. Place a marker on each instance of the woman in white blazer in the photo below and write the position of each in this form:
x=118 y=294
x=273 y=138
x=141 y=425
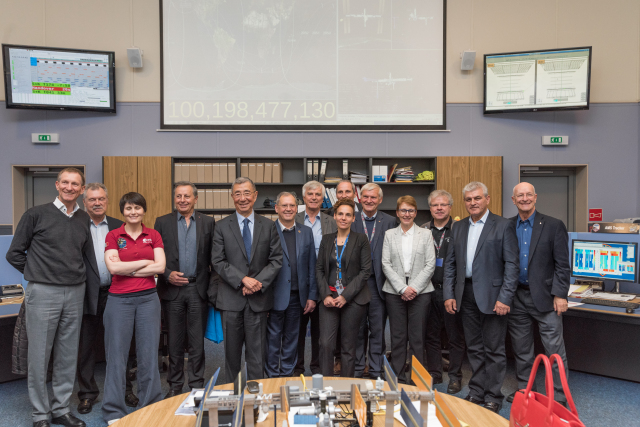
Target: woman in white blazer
x=408 y=262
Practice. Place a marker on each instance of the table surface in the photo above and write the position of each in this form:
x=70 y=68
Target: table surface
x=161 y=414
x=616 y=311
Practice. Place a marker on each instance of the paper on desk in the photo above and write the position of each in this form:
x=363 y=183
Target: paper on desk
x=431 y=417
x=188 y=406
x=573 y=288
x=613 y=297
x=575 y=304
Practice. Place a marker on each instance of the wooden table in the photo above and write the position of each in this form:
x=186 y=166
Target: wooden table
x=161 y=414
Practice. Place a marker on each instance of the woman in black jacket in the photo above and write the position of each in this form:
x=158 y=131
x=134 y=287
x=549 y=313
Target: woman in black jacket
x=342 y=270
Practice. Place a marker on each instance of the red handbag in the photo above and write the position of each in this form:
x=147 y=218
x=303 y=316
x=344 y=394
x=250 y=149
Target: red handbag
x=532 y=409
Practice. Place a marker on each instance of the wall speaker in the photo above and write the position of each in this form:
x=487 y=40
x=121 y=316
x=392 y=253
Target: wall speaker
x=468 y=58
x=135 y=57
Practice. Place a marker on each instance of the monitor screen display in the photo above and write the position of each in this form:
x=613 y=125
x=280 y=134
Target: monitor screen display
x=537 y=80
x=605 y=260
x=59 y=79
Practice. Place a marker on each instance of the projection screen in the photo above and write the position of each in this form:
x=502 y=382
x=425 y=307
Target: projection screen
x=292 y=65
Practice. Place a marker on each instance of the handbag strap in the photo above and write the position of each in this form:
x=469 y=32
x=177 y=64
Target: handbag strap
x=548 y=383
x=563 y=379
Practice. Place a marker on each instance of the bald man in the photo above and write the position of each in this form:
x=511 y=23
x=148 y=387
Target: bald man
x=543 y=285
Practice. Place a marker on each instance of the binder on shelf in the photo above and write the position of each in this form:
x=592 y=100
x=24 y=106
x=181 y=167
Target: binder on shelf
x=208 y=173
x=201 y=203
x=215 y=172
x=208 y=199
x=244 y=170
x=177 y=172
x=224 y=199
x=185 y=172
x=200 y=172
x=316 y=169
x=323 y=170
x=277 y=172
x=193 y=172
x=268 y=172
x=309 y=170
x=231 y=172
x=252 y=171
x=230 y=204
x=259 y=173
x=216 y=198
x=345 y=169
x=223 y=172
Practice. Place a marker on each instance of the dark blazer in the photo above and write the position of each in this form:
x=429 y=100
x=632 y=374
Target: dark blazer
x=384 y=222
x=229 y=259
x=167 y=226
x=495 y=265
x=327 y=223
x=356 y=269
x=549 y=267
x=93 y=275
x=306 y=261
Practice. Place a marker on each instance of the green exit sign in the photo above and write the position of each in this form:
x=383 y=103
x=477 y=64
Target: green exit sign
x=45 y=138
x=555 y=140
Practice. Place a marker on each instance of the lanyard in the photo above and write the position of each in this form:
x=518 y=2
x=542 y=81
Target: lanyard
x=339 y=256
x=439 y=245
x=364 y=225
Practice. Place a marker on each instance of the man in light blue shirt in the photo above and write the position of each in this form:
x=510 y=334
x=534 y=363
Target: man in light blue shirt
x=475 y=230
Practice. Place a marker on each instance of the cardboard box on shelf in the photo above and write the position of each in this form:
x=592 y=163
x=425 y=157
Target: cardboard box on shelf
x=208 y=199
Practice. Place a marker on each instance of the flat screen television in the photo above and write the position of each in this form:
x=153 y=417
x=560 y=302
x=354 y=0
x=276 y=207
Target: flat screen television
x=59 y=78
x=604 y=260
x=540 y=80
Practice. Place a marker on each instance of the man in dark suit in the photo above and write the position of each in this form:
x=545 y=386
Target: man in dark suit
x=294 y=289
x=320 y=224
x=247 y=255
x=374 y=224
x=96 y=293
x=543 y=286
x=480 y=280
x=187 y=237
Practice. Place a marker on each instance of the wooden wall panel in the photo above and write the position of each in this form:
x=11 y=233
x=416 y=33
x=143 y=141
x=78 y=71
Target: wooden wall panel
x=154 y=183
x=452 y=176
x=120 y=175
x=488 y=170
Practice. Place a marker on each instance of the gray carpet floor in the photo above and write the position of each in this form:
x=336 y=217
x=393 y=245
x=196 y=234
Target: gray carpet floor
x=600 y=401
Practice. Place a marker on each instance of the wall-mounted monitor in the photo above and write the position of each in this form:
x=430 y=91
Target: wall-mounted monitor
x=59 y=78
x=303 y=65
x=541 y=80
x=604 y=260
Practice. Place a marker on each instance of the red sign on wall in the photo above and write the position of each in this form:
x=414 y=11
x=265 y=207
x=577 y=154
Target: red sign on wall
x=595 y=214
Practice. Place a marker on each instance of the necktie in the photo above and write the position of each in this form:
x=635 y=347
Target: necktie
x=246 y=238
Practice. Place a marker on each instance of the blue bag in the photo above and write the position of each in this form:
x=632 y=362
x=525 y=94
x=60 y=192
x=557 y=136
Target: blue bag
x=214 y=326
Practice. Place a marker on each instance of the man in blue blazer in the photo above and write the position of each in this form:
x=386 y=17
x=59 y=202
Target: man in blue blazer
x=480 y=281
x=294 y=289
x=374 y=224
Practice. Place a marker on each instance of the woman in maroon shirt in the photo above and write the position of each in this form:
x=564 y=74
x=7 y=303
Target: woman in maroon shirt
x=134 y=254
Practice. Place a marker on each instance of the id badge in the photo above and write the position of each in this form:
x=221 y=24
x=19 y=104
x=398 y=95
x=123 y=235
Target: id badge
x=339 y=287
x=439 y=262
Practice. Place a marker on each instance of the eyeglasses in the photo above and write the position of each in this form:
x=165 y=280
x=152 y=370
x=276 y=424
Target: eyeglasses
x=245 y=194
x=440 y=205
x=407 y=211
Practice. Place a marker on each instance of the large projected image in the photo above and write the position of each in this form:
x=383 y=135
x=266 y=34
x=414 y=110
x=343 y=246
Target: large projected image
x=303 y=64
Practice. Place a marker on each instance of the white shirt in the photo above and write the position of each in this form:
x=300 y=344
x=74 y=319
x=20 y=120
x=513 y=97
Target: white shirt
x=98 y=235
x=407 y=249
x=285 y=228
x=475 y=230
x=63 y=208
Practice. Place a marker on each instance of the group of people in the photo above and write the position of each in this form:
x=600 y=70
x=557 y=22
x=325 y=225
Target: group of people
x=345 y=272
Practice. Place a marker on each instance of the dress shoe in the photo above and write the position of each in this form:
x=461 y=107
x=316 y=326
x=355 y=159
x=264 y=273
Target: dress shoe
x=68 y=420
x=437 y=380
x=131 y=400
x=41 y=423
x=492 y=406
x=511 y=397
x=173 y=393
x=337 y=368
x=472 y=399
x=454 y=387
x=85 y=405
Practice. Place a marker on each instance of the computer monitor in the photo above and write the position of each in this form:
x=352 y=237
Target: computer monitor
x=541 y=80
x=59 y=78
x=604 y=260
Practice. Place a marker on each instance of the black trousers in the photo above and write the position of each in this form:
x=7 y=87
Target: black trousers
x=89 y=333
x=346 y=320
x=248 y=328
x=452 y=323
x=371 y=334
x=314 y=318
x=485 y=336
x=407 y=321
x=186 y=317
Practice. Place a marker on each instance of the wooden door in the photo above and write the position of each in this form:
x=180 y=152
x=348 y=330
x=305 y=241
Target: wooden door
x=120 y=176
x=154 y=183
x=452 y=176
x=488 y=170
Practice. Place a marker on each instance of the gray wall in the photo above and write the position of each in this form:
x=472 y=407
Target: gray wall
x=606 y=137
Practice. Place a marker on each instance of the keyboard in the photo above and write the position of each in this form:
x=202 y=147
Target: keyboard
x=610 y=303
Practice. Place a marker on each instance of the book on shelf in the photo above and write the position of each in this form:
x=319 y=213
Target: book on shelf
x=357 y=177
x=332 y=180
x=309 y=170
x=323 y=170
x=345 y=169
x=316 y=169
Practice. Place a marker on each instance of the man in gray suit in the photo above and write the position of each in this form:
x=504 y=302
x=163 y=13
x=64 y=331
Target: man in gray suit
x=480 y=280
x=543 y=286
x=247 y=255
x=313 y=194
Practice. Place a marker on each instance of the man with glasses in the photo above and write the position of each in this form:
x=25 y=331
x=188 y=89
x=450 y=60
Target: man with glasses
x=248 y=256
x=374 y=224
x=294 y=289
x=440 y=203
